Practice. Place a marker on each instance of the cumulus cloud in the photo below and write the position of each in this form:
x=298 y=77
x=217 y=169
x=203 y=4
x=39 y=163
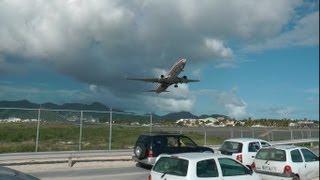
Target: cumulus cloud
x=103 y=42
x=304 y=33
x=230 y=102
x=217 y=47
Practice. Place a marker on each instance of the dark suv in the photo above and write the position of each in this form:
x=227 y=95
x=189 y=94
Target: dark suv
x=149 y=146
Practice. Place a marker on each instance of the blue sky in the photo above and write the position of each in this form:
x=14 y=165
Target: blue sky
x=254 y=59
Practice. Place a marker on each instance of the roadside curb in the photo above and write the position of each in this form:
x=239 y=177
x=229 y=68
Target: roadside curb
x=70 y=161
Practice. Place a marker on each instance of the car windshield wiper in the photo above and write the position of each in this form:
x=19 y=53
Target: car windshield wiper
x=166 y=172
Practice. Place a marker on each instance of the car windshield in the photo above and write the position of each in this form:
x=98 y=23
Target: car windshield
x=271 y=154
x=230 y=146
x=172 y=165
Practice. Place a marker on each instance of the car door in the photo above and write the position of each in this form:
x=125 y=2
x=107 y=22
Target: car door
x=186 y=145
x=253 y=148
x=311 y=164
x=232 y=169
x=172 y=145
x=297 y=162
x=206 y=170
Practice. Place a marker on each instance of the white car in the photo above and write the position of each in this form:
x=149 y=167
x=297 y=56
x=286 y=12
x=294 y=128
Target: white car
x=286 y=162
x=242 y=149
x=199 y=166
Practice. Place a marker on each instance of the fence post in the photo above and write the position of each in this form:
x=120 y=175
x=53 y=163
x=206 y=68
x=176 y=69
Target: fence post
x=80 y=135
x=231 y=133
x=110 y=128
x=271 y=135
x=291 y=134
x=205 y=135
x=38 y=133
x=252 y=132
x=310 y=133
x=241 y=133
x=150 y=130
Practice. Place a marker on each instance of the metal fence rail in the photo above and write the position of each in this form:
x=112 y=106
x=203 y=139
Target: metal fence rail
x=112 y=133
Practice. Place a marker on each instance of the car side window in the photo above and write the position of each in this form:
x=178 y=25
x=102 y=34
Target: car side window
x=296 y=156
x=186 y=142
x=231 y=167
x=172 y=141
x=308 y=155
x=253 y=147
x=265 y=144
x=207 y=168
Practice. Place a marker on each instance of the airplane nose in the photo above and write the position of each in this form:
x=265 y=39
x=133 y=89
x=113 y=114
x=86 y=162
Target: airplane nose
x=184 y=60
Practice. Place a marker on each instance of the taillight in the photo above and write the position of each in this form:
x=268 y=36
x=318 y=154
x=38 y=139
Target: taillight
x=149 y=153
x=253 y=166
x=287 y=170
x=149 y=177
x=239 y=157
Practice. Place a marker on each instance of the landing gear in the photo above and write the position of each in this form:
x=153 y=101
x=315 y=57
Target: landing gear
x=176 y=85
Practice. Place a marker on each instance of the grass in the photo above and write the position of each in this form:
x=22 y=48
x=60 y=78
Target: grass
x=21 y=137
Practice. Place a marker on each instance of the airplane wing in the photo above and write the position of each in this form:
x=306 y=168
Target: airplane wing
x=153 y=80
x=192 y=80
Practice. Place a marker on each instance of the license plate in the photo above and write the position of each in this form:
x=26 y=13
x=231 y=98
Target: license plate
x=268 y=168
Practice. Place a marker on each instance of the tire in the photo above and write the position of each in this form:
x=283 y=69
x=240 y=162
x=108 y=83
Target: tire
x=139 y=151
x=295 y=177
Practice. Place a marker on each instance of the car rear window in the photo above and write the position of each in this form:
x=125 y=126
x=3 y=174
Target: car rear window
x=143 y=139
x=271 y=154
x=230 y=146
x=172 y=165
x=207 y=168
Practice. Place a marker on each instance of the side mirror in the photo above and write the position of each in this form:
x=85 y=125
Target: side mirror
x=250 y=171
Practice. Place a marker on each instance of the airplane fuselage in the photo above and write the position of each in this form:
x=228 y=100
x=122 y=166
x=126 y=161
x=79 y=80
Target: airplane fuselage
x=172 y=76
x=169 y=79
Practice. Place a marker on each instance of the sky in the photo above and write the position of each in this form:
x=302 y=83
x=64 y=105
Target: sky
x=257 y=59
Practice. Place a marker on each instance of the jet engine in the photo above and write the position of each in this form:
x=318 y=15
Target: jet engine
x=184 y=77
x=176 y=85
x=162 y=76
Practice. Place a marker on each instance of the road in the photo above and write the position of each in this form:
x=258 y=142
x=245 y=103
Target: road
x=117 y=170
x=86 y=170
x=123 y=173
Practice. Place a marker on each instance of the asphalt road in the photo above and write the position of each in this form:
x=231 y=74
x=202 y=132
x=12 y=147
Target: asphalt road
x=123 y=173
x=85 y=170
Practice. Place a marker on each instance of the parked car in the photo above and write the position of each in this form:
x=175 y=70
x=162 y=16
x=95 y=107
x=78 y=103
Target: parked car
x=243 y=149
x=196 y=166
x=286 y=162
x=149 y=146
x=11 y=174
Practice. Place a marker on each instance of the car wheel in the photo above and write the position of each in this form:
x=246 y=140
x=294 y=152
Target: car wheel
x=140 y=151
x=295 y=177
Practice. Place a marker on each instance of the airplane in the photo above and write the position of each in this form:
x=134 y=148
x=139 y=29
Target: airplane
x=171 y=78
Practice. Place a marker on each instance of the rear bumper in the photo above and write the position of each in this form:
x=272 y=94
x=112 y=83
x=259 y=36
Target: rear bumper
x=274 y=176
x=147 y=161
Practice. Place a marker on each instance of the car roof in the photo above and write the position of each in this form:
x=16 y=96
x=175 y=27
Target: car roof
x=196 y=155
x=284 y=147
x=244 y=139
x=161 y=134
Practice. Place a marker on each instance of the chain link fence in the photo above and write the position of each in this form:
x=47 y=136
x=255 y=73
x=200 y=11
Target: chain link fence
x=27 y=130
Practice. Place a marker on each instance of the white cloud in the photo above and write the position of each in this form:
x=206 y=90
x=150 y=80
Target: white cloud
x=179 y=99
x=102 y=42
x=232 y=104
x=218 y=48
x=93 y=88
x=304 y=33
